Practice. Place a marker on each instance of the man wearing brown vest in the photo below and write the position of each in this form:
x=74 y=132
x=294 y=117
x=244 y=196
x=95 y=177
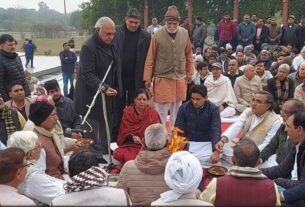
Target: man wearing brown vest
x=258 y=123
x=169 y=63
x=245 y=185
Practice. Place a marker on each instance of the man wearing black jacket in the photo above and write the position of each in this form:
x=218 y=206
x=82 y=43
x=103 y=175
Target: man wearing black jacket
x=11 y=69
x=96 y=55
x=132 y=44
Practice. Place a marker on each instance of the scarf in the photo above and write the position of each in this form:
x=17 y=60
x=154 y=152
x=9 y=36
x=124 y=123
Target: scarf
x=6 y=115
x=281 y=94
x=183 y=173
x=135 y=124
x=93 y=177
x=246 y=172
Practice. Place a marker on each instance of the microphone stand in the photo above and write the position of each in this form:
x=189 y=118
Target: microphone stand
x=104 y=108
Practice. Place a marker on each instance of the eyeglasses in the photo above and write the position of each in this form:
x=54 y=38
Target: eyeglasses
x=284 y=112
x=27 y=165
x=39 y=147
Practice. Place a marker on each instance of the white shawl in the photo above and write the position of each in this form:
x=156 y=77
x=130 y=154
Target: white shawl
x=220 y=91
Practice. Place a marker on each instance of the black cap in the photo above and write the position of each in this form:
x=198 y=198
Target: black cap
x=39 y=112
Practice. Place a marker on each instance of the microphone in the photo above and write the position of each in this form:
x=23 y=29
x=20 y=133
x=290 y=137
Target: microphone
x=69 y=131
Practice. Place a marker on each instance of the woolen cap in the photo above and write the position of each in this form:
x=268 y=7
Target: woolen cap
x=39 y=112
x=216 y=65
x=172 y=14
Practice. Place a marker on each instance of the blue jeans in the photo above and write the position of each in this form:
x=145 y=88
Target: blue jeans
x=28 y=59
x=66 y=77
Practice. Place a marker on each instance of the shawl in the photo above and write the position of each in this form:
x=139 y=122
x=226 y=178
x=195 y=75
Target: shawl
x=246 y=172
x=220 y=91
x=8 y=120
x=281 y=94
x=93 y=177
x=135 y=124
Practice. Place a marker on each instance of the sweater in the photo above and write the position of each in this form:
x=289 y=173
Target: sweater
x=200 y=125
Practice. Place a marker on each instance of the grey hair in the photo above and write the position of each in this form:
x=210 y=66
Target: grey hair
x=155 y=137
x=269 y=98
x=248 y=66
x=285 y=66
x=102 y=21
x=25 y=140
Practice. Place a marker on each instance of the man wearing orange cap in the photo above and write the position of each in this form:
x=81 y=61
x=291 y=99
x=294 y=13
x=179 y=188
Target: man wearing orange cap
x=169 y=63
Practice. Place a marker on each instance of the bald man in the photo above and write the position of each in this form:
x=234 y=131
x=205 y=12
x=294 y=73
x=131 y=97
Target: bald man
x=245 y=88
x=96 y=55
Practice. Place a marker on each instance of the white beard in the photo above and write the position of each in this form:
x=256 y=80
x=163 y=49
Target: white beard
x=171 y=31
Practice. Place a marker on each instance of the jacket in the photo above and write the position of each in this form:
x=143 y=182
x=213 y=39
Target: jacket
x=279 y=145
x=143 y=178
x=289 y=34
x=29 y=49
x=67 y=60
x=11 y=70
x=226 y=30
x=142 y=49
x=200 y=33
x=200 y=125
x=66 y=114
x=246 y=30
x=282 y=171
x=95 y=58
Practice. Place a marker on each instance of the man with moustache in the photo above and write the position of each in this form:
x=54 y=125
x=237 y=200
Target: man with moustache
x=169 y=63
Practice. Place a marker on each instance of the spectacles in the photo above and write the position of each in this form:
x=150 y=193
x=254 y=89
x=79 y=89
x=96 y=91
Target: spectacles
x=39 y=147
x=284 y=112
x=27 y=165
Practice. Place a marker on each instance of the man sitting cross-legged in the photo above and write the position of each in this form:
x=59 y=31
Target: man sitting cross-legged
x=245 y=185
x=258 y=123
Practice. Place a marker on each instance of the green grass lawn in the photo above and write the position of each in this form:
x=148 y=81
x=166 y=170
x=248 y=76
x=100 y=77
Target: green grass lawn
x=53 y=46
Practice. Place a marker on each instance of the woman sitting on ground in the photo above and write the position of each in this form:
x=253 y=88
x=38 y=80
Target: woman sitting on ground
x=136 y=118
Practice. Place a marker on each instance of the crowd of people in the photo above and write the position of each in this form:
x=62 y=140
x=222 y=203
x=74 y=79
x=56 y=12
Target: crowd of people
x=152 y=82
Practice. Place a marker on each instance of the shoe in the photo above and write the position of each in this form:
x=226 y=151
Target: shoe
x=102 y=160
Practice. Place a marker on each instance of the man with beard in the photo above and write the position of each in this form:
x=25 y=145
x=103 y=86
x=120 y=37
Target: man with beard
x=170 y=63
x=64 y=108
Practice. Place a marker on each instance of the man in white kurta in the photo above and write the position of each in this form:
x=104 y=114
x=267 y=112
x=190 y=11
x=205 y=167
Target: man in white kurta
x=220 y=91
x=258 y=123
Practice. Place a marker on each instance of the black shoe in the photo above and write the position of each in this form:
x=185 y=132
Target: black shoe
x=102 y=160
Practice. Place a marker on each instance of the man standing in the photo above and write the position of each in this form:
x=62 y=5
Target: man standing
x=246 y=31
x=260 y=34
x=67 y=60
x=151 y=29
x=29 y=50
x=11 y=69
x=200 y=33
x=96 y=55
x=188 y=26
x=200 y=120
x=132 y=44
x=274 y=34
x=226 y=30
x=289 y=32
x=170 y=63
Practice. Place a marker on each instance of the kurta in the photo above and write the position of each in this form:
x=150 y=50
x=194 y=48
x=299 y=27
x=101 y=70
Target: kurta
x=169 y=88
